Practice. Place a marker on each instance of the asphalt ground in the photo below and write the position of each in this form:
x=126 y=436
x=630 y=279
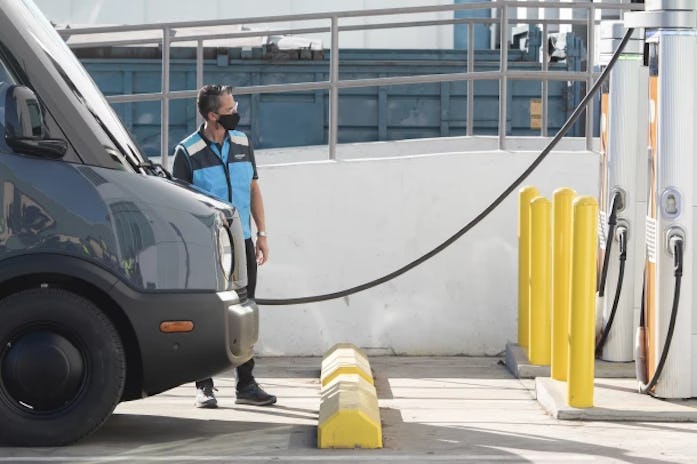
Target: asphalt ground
x=433 y=409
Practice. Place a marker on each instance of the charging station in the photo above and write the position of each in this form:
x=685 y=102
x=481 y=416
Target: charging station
x=622 y=201
x=667 y=336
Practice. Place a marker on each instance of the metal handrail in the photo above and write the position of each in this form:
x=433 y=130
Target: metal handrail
x=356 y=13
x=175 y=32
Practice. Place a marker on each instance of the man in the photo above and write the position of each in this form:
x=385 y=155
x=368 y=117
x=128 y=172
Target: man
x=220 y=160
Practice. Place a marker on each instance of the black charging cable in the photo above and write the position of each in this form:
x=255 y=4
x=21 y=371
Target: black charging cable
x=611 y=224
x=677 y=246
x=622 y=239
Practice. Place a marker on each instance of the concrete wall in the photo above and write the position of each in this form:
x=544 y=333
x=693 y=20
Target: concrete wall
x=338 y=224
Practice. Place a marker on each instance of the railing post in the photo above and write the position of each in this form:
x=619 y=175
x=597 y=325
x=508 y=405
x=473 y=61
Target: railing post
x=164 y=139
x=470 y=82
x=334 y=89
x=575 y=54
x=590 y=57
x=503 y=79
x=199 y=75
x=545 y=85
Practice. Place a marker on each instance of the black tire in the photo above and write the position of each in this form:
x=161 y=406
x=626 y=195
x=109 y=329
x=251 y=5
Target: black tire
x=62 y=368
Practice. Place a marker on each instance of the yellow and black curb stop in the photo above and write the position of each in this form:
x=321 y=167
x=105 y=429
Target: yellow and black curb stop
x=349 y=416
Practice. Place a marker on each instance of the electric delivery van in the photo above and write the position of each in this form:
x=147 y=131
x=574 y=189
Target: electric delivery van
x=116 y=282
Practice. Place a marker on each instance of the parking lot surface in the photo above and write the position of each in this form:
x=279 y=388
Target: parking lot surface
x=433 y=409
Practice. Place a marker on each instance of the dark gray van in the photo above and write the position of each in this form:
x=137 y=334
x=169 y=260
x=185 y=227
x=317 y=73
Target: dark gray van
x=115 y=283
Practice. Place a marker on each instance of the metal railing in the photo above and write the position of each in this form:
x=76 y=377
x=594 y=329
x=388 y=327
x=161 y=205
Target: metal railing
x=166 y=34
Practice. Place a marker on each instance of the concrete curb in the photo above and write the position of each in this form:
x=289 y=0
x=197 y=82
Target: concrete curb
x=349 y=415
x=613 y=400
x=345 y=358
x=519 y=365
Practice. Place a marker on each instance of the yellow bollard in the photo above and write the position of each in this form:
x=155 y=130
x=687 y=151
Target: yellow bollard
x=540 y=282
x=562 y=210
x=525 y=195
x=581 y=370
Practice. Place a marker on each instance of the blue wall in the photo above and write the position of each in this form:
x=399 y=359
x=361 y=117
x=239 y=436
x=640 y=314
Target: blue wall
x=301 y=118
x=482 y=32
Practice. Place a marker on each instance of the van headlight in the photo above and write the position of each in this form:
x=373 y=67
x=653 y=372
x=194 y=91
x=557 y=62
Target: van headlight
x=225 y=252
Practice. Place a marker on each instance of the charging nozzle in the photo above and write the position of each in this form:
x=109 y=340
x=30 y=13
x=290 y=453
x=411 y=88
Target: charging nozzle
x=621 y=237
x=675 y=242
x=602 y=333
x=618 y=199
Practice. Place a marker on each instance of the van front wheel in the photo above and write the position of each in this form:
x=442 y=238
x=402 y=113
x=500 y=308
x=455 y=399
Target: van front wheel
x=62 y=367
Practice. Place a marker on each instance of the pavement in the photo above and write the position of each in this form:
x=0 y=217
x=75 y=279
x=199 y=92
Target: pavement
x=433 y=410
x=615 y=393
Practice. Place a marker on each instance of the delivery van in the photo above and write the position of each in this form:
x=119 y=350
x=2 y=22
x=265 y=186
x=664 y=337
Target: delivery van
x=116 y=282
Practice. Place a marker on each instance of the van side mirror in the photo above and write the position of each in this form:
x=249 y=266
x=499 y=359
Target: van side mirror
x=24 y=125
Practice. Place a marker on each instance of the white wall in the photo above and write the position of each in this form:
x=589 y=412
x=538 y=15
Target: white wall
x=152 y=11
x=334 y=225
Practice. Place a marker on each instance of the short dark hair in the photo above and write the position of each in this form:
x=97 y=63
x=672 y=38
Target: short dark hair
x=208 y=99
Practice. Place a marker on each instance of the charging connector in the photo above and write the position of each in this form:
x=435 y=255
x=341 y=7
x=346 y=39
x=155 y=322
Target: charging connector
x=621 y=237
x=675 y=241
x=617 y=205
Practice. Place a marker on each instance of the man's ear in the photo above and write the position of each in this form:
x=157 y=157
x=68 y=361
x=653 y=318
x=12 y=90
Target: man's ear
x=210 y=116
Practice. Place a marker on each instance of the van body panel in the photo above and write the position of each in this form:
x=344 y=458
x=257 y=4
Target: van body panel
x=219 y=320
x=149 y=232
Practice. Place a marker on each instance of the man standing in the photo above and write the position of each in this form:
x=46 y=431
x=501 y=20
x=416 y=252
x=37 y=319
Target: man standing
x=220 y=160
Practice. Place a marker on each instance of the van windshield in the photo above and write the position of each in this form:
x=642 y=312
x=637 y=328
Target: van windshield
x=83 y=87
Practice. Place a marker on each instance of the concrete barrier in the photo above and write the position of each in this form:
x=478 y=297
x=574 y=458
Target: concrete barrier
x=349 y=415
x=345 y=358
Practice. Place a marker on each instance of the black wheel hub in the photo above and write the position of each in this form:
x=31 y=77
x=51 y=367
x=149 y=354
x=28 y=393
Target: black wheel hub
x=42 y=371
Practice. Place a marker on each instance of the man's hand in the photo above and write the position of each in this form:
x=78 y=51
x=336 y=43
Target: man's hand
x=262 y=250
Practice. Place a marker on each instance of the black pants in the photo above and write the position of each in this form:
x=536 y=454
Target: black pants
x=244 y=371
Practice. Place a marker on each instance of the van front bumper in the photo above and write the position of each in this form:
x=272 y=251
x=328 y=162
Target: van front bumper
x=224 y=332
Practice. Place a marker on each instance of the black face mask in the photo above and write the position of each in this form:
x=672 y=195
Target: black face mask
x=229 y=121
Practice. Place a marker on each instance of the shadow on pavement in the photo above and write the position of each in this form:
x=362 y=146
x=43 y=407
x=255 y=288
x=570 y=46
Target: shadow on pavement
x=182 y=439
x=495 y=446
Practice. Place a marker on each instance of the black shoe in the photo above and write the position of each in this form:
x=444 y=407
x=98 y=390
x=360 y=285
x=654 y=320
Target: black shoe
x=255 y=395
x=205 y=398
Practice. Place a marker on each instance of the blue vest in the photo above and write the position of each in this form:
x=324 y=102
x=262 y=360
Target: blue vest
x=223 y=172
